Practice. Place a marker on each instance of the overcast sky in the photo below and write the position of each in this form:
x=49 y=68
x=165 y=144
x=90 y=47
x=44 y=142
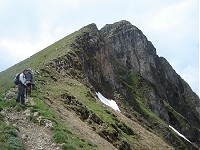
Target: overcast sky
x=28 y=26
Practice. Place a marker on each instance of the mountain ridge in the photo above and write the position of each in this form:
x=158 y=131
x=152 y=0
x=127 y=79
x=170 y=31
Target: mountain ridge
x=122 y=64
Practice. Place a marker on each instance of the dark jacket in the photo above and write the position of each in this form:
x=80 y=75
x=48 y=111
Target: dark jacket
x=29 y=77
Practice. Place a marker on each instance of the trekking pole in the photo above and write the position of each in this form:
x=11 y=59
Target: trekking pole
x=26 y=100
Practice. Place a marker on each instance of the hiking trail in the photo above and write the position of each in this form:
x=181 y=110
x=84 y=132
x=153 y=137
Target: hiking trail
x=34 y=135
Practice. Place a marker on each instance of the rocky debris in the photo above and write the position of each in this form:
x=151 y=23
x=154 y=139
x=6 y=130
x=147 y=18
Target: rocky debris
x=124 y=146
x=79 y=108
x=31 y=102
x=69 y=99
x=11 y=94
x=95 y=118
x=47 y=123
x=68 y=64
x=110 y=132
x=113 y=135
x=34 y=135
x=124 y=128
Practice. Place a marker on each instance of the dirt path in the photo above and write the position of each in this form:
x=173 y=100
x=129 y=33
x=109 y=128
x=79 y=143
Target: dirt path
x=34 y=136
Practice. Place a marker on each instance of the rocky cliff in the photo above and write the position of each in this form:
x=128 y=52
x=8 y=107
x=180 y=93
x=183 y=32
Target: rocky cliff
x=134 y=52
x=120 y=62
x=131 y=48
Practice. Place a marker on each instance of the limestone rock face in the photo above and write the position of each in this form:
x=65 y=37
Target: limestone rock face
x=132 y=50
x=131 y=47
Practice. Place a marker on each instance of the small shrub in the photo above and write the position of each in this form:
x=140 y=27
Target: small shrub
x=1 y=108
x=1 y=117
x=20 y=107
x=59 y=137
x=68 y=146
x=14 y=143
x=9 y=139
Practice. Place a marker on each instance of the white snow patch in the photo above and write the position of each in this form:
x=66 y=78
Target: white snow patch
x=108 y=102
x=181 y=135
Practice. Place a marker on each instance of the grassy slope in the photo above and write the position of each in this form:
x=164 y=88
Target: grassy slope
x=111 y=120
x=38 y=60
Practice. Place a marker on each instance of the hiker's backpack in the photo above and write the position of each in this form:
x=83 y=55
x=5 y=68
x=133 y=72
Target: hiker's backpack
x=16 y=80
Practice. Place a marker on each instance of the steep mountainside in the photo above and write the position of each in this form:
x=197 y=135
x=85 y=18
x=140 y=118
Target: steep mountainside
x=122 y=64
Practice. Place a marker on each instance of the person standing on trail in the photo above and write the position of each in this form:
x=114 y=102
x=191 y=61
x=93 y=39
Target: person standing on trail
x=22 y=87
x=29 y=81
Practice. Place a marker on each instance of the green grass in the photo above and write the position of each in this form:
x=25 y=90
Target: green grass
x=8 y=141
x=8 y=134
x=11 y=104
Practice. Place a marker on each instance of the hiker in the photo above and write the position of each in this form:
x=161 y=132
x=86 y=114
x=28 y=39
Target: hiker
x=21 y=87
x=29 y=82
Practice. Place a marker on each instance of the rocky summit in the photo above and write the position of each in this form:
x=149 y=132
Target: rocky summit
x=158 y=109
